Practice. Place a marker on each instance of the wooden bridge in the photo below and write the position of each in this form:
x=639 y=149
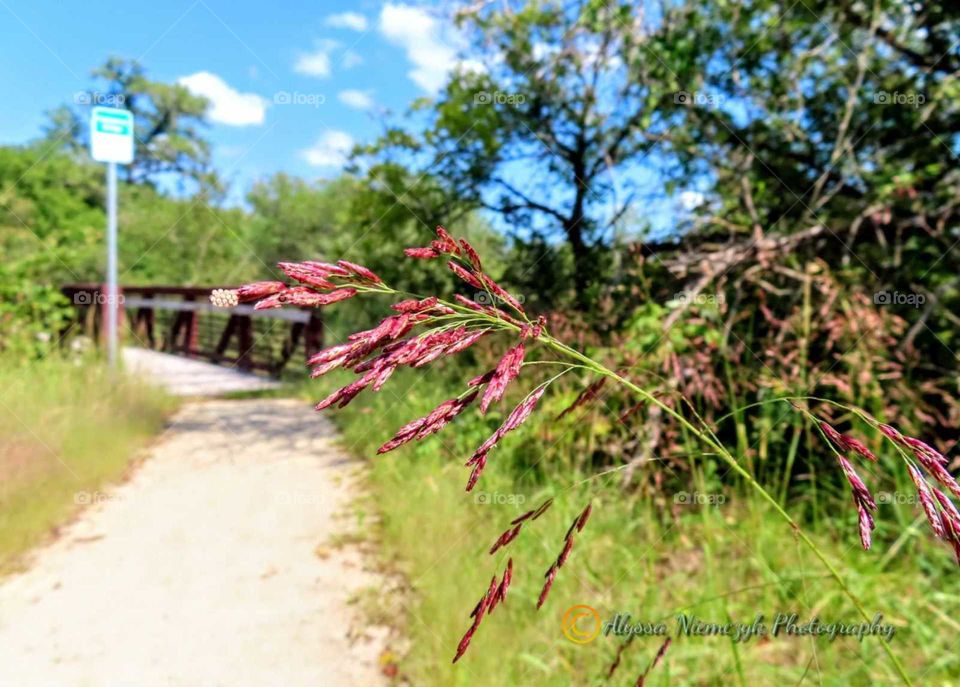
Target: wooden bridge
x=182 y=321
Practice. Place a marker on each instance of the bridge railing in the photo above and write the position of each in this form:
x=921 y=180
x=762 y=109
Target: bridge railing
x=180 y=319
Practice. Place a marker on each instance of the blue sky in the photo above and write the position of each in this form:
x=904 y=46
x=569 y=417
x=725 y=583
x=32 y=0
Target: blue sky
x=292 y=84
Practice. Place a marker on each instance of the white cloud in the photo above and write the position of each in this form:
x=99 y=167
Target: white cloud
x=227 y=105
x=351 y=59
x=691 y=199
x=431 y=49
x=316 y=63
x=348 y=20
x=359 y=100
x=330 y=150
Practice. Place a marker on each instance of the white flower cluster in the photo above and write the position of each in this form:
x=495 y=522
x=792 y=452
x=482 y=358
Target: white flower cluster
x=224 y=298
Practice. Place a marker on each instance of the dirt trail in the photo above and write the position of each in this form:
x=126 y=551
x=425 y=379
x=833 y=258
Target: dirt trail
x=202 y=569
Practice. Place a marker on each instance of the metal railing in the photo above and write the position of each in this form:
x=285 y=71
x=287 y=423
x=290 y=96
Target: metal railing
x=181 y=319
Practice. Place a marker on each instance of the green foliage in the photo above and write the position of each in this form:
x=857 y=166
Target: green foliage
x=169 y=240
x=653 y=558
x=67 y=429
x=50 y=222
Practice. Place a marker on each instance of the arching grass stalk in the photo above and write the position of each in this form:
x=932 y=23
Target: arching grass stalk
x=708 y=438
x=448 y=327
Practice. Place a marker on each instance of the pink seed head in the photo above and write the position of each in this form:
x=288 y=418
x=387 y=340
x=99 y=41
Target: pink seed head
x=464 y=274
x=472 y=256
x=480 y=380
x=306 y=275
x=305 y=297
x=584 y=516
x=860 y=492
x=924 y=450
x=466 y=341
x=506 y=371
x=412 y=305
x=926 y=501
x=522 y=518
x=585 y=396
x=421 y=253
x=487 y=310
x=445 y=243
x=360 y=271
x=260 y=289
x=523 y=411
x=333 y=353
x=507 y=298
x=229 y=298
x=505 y=538
x=325 y=269
x=514 y=420
x=542 y=508
x=866 y=526
x=834 y=436
x=478 y=466
x=505 y=582
x=565 y=553
x=551 y=576
x=859 y=448
x=890 y=433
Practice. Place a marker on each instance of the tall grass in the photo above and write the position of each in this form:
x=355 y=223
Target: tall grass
x=66 y=429
x=653 y=558
x=451 y=326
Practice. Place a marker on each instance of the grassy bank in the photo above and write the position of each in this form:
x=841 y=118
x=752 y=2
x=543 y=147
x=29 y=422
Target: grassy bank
x=715 y=553
x=66 y=430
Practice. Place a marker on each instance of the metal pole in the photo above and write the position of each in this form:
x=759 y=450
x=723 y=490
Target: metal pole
x=112 y=263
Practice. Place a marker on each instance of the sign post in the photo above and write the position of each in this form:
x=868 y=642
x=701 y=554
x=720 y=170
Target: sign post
x=111 y=141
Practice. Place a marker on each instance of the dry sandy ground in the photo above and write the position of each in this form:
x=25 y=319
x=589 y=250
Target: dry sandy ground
x=202 y=569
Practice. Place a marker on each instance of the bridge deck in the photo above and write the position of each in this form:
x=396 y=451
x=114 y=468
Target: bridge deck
x=187 y=377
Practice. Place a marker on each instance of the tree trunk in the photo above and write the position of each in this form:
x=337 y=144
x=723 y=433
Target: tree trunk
x=574 y=226
x=583 y=266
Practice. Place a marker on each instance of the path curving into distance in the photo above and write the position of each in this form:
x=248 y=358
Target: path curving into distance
x=210 y=566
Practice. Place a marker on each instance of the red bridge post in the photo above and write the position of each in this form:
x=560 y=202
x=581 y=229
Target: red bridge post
x=313 y=336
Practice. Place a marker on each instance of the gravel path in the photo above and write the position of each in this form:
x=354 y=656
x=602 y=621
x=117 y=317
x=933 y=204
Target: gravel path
x=203 y=569
x=187 y=377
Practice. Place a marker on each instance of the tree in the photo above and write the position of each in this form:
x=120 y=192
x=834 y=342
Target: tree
x=550 y=133
x=50 y=220
x=168 y=121
x=293 y=219
x=825 y=138
x=838 y=124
